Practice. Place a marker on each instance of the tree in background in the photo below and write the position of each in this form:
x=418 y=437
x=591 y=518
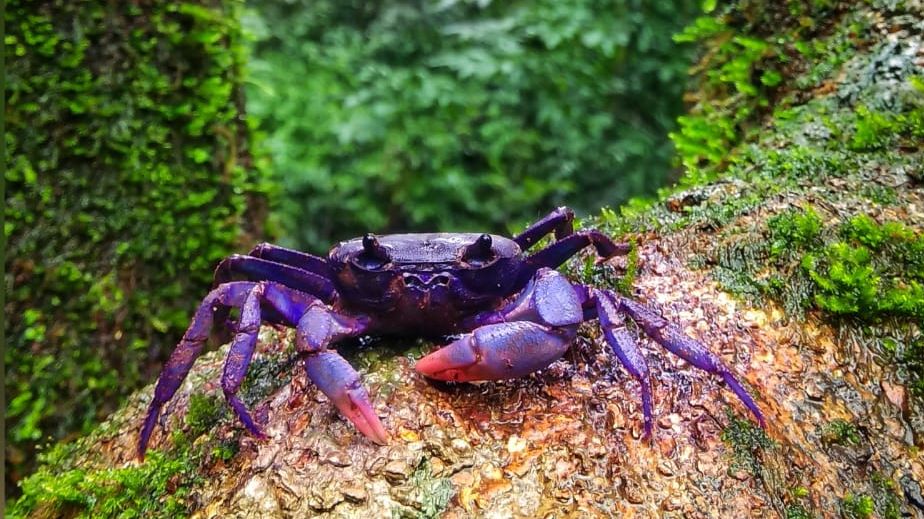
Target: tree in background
x=403 y=115
x=129 y=174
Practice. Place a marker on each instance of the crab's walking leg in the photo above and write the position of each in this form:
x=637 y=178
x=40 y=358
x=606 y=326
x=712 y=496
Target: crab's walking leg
x=558 y=252
x=560 y=221
x=671 y=337
x=529 y=334
x=258 y=269
x=239 y=356
x=302 y=260
x=182 y=358
x=625 y=348
x=288 y=303
x=317 y=329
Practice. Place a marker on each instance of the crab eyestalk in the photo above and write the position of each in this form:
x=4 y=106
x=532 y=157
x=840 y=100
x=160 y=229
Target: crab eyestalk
x=373 y=249
x=480 y=251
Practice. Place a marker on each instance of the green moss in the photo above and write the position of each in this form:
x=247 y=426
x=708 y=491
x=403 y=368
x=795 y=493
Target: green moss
x=748 y=443
x=846 y=280
x=859 y=268
x=840 y=432
x=266 y=374
x=159 y=487
x=435 y=493
x=875 y=130
x=857 y=506
x=226 y=450
x=129 y=175
x=911 y=359
x=881 y=498
x=738 y=63
x=872 y=130
x=797 y=511
x=793 y=229
x=886 y=496
x=877 y=271
x=204 y=412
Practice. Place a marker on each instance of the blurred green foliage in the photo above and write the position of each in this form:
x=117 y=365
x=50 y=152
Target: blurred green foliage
x=129 y=175
x=462 y=114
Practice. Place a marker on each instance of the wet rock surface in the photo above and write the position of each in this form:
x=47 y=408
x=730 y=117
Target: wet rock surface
x=565 y=441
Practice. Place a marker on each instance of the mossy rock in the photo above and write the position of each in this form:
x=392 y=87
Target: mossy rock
x=129 y=175
x=723 y=255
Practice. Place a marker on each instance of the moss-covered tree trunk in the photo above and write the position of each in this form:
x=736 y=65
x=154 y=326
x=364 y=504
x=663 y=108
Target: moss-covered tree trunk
x=794 y=250
x=129 y=174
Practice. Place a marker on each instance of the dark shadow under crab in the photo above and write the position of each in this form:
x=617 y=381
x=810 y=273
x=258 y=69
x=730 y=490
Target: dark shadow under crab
x=514 y=312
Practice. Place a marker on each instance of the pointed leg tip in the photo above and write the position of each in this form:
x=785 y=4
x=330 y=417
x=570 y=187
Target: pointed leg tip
x=648 y=435
x=381 y=438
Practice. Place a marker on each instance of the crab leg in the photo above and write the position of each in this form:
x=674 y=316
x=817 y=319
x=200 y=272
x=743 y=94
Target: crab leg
x=558 y=252
x=528 y=335
x=317 y=327
x=302 y=260
x=261 y=269
x=288 y=303
x=626 y=350
x=560 y=221
x=674 y=340
x=239 y=356
x=182 y=358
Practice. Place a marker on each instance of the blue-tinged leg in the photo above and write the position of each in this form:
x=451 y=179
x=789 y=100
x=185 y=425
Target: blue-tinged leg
x=529 y=334
x=559 y=252
x=239 y=356
x=291 y=305
x=258 y=269
x=189 y=348
x=560 y=221
x=626 y=350
x=671 y=337
x=302 y=260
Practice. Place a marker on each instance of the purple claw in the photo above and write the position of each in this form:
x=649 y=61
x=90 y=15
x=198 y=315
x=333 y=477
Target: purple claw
x=498 y=351
x=340 y=382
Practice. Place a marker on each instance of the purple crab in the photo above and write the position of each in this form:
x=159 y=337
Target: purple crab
x=512 y=312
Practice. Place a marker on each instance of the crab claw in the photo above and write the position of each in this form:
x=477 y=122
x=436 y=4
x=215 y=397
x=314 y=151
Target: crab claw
x=497 y=351
x=340 y=382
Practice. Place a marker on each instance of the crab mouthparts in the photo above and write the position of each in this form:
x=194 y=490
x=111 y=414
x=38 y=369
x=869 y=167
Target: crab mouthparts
x=426 y=281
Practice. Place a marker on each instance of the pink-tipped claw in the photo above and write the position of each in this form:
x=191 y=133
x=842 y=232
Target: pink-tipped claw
x=356 y=407
x=455 y=362
x=340 y=382
x=497 y=352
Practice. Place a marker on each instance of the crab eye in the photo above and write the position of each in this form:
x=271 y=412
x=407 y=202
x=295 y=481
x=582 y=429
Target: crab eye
x=479 y=252
x=374 y=255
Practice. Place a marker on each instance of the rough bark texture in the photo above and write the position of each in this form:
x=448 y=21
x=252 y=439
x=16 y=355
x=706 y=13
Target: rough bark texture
x=843 y=408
